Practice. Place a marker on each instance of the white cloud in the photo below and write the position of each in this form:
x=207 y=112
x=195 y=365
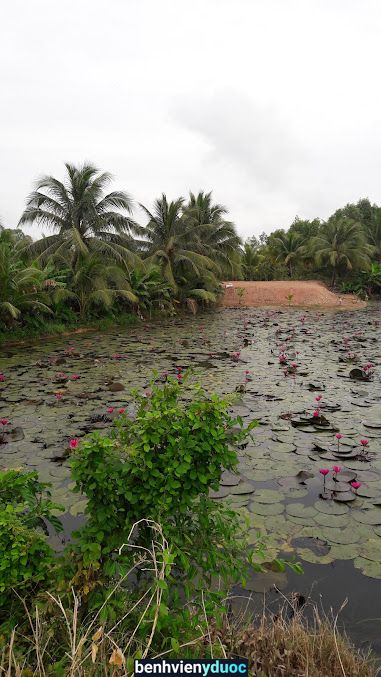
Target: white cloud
x=274 y=105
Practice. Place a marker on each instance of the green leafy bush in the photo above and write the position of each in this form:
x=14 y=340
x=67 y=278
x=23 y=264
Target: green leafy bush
x=26 y=559
x=160 y=466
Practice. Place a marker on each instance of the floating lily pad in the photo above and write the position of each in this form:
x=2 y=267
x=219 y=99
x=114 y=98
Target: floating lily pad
x=369 y=492
x=368 y=567
x=342 y=536
x=228 y=479
x=221 y=493
x=267 y=496
x=316 y=545
x=242 y=488
x=263 y=582
x=331 y=485
x=371 y=550
x=332 y=521
x=368 y=516
x=266 y=508
x=331 y=508
x=344 y=497
x=300 y=510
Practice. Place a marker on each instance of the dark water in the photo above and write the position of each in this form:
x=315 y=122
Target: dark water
x=339 y=542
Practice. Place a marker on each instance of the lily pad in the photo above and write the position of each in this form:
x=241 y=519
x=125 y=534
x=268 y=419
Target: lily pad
x=228 y=479
x=344 y=497
x=300 y=510
x=331 y=508
x=267 y=496
x=369 y=568
x=332 y=521
x=368 y=516
x=242 y=488
x=266 y=508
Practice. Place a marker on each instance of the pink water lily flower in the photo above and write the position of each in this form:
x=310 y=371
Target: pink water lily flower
x=338 y=436
x=2 y=377
x=316 y=413
x=336 y=468
x=75 y=377
x=73 y=444
x=324 y=471
x=4 y=421
x=58 y=396
x=121 y=410
x=364 y=443
x=110 y=410
x=356 y=485
x=318 y=398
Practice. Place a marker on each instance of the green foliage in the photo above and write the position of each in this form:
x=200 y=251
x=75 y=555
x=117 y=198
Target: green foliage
x=25 y=511
x=161 y=466
x=22 y=287
x=82 y=216
x=341 y=245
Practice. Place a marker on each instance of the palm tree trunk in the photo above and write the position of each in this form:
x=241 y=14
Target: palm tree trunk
x=333 y=279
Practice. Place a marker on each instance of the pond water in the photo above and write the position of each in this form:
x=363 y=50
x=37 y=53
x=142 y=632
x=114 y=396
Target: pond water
x=337 y=536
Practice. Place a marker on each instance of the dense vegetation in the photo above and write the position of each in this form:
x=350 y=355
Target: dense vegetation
x=156 y=555
x=344 y=251
x=98 y=262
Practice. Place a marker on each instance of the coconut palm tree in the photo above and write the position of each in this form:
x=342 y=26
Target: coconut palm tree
x=98 y=284
x=341 y=244
x=171 y=243
x=373 y=231
x=287 y=248
x=22 y=288
x=83 y=217
x=151 y=290
x=251 y=258
x=216 y=236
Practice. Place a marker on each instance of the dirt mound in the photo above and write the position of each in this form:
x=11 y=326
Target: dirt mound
x=305 y=294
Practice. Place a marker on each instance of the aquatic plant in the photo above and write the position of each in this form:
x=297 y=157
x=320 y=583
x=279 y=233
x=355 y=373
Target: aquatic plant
x=73 y=444
x=324 y=472
x=356 y=485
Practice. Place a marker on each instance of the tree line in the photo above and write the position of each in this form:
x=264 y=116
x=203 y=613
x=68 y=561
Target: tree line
x=344 y=250
x=98 y=261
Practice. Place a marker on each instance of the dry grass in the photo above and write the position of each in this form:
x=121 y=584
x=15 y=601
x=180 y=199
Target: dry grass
x=277 y=646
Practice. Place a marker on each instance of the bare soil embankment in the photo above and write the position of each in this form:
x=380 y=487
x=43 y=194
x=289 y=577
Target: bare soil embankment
x=304 y=294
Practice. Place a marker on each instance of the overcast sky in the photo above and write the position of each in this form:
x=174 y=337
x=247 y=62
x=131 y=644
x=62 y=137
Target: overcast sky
x=272 y=104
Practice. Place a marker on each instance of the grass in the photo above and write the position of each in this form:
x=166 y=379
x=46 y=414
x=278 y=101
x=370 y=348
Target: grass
x=55 y=327
x=274 y=647
x=280 y=647
x=57 y=639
